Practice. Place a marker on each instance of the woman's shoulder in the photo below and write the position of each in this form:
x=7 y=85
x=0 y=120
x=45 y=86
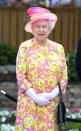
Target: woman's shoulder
x=26 y=44
x=56 y=45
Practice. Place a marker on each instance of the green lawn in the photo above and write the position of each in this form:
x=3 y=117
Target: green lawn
x=72 y=125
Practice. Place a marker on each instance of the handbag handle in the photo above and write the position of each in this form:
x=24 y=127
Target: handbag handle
x=60 y=93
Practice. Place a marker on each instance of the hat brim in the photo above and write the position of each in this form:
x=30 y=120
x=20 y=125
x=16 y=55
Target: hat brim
x=48 y=16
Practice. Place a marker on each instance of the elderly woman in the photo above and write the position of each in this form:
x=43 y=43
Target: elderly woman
x=40 y=67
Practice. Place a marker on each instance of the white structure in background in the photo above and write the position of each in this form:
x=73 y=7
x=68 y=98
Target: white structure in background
x=59 y=2
x=77 y=2
x=47 y=3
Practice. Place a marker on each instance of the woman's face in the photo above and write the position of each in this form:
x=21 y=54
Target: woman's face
x=41 y=29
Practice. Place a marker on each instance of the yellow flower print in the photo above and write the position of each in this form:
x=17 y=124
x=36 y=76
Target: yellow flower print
x=25 y=81
x=40 y=57
x=49 y=124
x=35 y=124
x=40 y=109
x=48 y=88
x=32 y=107
x=31 y=56
x=54 y=66
x=33 y=64
x=22 y=67
x=19 y=128
x=54 y=105
x=33 y=74
x=21 y=112
x=40 y=83
x=22 y=86
x=53 y=55
x=28 y=122
x=28 y=44
x=48 y=72
x=43 y=125
x=22 y=52
x=41 y=116
x=52 y=81
x=23 y=102
x=51 y=117
x=29 y=85
x=45 y=109
x=61 y=49
x=51 y=129
x=44 y=117
x=45 y=53
x=43 y=76
x=64 y=73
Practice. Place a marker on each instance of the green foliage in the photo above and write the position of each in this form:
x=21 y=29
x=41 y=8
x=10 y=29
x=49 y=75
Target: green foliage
x=72 y=73
x=7 y=54
x=72 y=125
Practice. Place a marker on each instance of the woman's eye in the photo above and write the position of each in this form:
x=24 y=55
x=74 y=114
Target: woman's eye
x=44 y=26
x=38 y=26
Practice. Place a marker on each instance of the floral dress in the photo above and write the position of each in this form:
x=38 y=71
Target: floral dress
x=41 y=68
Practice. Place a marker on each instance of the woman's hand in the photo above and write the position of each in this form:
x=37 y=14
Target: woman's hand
x=41 y=100
x=48 y=96
x=37 y=99
x=51 y=95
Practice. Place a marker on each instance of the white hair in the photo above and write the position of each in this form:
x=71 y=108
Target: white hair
x=52 y=25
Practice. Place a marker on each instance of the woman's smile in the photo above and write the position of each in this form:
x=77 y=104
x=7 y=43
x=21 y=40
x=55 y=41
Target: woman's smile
x=41 y=34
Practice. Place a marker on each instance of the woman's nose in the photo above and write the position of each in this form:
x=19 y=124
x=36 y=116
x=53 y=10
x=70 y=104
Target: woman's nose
x=41 y=28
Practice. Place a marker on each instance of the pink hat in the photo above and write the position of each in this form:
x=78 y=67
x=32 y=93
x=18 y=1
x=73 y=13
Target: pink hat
x=39 y=13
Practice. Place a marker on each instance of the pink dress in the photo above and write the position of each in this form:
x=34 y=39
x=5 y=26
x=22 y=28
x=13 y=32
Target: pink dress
x=42 y=68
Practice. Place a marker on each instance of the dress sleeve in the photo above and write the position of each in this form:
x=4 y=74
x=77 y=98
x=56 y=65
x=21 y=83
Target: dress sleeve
x=63 y=77
x=21 y=69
